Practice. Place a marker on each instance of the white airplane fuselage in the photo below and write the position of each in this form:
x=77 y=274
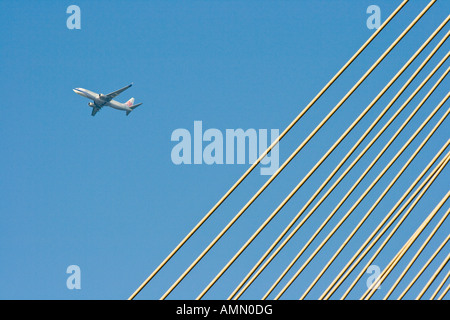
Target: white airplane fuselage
x=99 y=101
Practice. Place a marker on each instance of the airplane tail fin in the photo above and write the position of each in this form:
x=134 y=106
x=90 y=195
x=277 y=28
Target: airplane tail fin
x=132 y=107
x=130 y=102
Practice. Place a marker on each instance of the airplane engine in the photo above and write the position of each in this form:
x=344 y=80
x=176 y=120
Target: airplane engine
x=90 y=104
x=102 y=96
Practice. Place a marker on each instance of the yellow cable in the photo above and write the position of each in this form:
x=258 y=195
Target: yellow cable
x=324 y=157
x=355 y=230
x=361 y=197
x=355 y=161
x=440 y=286
x=340 y=277
x=238 y=182
x=300 y=147
x=416 y=255
x=391 y=265
x=360 y=223
x=423 y=268
x=433 y=277
x=444 y=292
x=331 y=149
x=433 y=175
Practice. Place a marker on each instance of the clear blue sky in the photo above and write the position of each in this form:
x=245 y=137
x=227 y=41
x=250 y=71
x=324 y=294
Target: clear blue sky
x=102 y=192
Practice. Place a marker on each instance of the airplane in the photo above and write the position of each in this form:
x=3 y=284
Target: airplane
x=101 y=100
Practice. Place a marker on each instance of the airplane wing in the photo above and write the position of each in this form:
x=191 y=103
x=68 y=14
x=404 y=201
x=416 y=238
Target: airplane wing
x=114 y=94
x=95 y=110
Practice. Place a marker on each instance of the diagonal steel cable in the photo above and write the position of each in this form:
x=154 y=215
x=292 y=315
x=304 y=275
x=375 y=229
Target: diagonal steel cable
x=333 y=147
x=396 y=259
x=440 y=286
x=444 y=293
x=235 y=293
x=356 y=228
x=359 y=199
x=300 y=147
x=416 y=255
x=433 y=256
x=419 y=192
x=433 y=277
x=347 y=269
x=274 y=143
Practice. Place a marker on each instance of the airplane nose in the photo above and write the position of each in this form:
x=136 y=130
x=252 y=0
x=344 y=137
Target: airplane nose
x=78 y=91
